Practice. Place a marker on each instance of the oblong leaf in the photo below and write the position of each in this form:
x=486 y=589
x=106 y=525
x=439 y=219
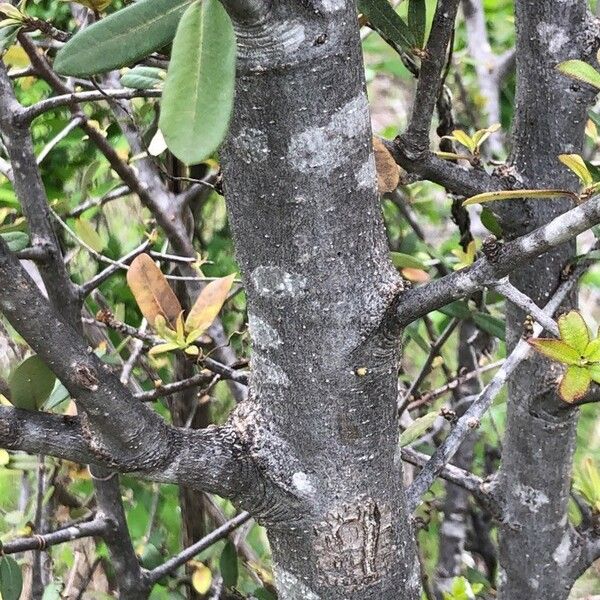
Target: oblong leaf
x=199 y=89
x=574 y=331
x=416 y=429
x=388 y=23
x=417 y=20
x=209 y=303
x=143 y=78
x=121 y=38
x=31 y=384
x=151 y=290
x=581 y=71
x=556 y=350
x=594 y=371
x=575 y=163
x=388 y=172
x=574 y=384
x=11 y=579
x=516 y=194
x=15 y=240
x=592 y=352
x=402 y=261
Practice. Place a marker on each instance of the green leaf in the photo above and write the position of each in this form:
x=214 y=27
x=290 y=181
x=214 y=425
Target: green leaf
x=52 y=592
x=574 y=331
x=143 y=78
x=86 y=232
x=228 y=565
x=386 y=21
x=594 y=371
x=402 y=261
x=417 y=20
x=592 y=351
x=575 y=383
x=491 y=223
x=162 y=348
x=412 y=332
x=11 y=579
x=517 y=194
x=121 y=39
x=492 y=325
x=464 y=139
x=587 y=483
x=8 y=36
x=556 y=350
x=416 y=429
x=458 y=310
x=15 y=240
x=31 y=383
x=199 y=90
x=581 y=71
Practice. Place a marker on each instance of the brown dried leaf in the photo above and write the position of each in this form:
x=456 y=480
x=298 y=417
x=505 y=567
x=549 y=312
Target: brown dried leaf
x=152 y=291
x=208 y=304
x=388 y=172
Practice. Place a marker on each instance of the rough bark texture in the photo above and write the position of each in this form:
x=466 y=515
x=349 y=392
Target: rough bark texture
x=311 y=244
x=534 y=479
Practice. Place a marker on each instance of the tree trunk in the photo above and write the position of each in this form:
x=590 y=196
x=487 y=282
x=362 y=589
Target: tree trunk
x=300 y=185
x=535 y=475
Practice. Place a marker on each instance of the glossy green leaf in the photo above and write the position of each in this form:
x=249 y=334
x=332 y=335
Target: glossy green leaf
x=31 y=383
x=417 y=20
x=15 y=240
x=458 y=309
x=574 y=331
x=490 y=324
x=556 y=350
x=516 y=195
x=387 y=22
x=199 y=90
x=402 y=261
x=581 y=71
x=491 y=223
x=11 y=579
x=416 y=429
x=574 y=384
x=143 y=78
x=228 y=565
x=122 y=38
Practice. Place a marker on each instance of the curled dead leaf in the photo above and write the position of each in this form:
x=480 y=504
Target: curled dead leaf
x=388 y=172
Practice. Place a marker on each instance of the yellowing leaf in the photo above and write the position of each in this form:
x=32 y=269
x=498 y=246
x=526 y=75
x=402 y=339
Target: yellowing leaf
x=576 y=164
x=388 y=172
x=415 y=275
x=452 y=156
x=4 y=457
x=574 y=384
x=152 y=291
x=516 y=194
x=556 y=350
x=582 y=71
x=574 y=331
x=15 y=56
x=162 y=348
x=209 y=303
x=466 y=140
x=483 y=134
x=202 y=579
x=416 y=429
x=86 y=232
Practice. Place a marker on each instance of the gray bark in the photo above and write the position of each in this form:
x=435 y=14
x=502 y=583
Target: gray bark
x=534 y=479
x=300 y=187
